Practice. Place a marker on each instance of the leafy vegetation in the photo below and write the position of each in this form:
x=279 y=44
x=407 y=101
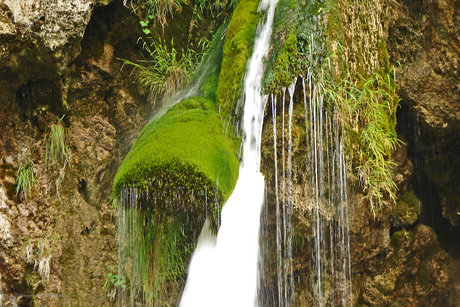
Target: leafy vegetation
x=25 y=179
x=113 y=285
x=159 y=9
x=367 y=109
x=214 y=7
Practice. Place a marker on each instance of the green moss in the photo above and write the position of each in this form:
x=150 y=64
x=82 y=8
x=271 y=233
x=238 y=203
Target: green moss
x=399 y=241
x=283 y=57
x=407 y=208
x=186 y=147
x=187 y=152
x=237 y=50
x=284 y=69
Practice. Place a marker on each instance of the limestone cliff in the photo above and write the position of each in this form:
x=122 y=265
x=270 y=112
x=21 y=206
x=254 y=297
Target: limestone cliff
x=58 y=59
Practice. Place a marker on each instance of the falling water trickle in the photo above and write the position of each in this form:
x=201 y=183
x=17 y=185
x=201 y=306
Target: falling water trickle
x=223 y=270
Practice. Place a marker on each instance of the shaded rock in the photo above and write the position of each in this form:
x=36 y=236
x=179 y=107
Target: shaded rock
x=423 y=37
x=414 y=272
x=407 y=210
x=40 y=38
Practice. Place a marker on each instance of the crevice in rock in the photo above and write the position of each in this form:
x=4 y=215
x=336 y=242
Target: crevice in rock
x=422 y=152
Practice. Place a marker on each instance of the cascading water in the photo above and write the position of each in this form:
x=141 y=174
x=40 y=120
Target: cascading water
x=328 y=188
x=223 y=270
x=315 y=192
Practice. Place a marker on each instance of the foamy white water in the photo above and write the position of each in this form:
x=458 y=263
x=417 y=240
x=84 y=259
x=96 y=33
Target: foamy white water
x=223 y=270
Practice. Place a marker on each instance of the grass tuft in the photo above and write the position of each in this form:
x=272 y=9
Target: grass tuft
x=56 y=148
x=367 y=110
x=57 y=151
x=39 y=253
x=164 y=71
x=25 y=178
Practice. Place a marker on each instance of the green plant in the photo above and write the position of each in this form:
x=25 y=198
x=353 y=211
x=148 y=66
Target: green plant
x=367 y=109
x=213 y=7
x=26 y=179
x=164 y=71
x=113 y=285
x=40 y=251
x=57 y=151
x=56 y=148
x=156 y=267
x=159 y=9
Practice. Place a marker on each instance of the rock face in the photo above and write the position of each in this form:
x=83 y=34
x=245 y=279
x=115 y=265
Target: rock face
x=424 y=38
x=342 y=254
x=40 y=38
x=406 y=253
x=58 y=58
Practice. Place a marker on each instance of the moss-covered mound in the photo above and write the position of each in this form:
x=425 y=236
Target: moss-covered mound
x=185 y=153
x=187 y=157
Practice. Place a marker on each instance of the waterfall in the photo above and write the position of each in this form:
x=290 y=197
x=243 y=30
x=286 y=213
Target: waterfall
x=327 y=172
x=308 y=182
x=223 y=270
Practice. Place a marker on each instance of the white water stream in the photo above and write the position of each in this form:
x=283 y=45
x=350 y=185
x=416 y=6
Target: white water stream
x=223 y=270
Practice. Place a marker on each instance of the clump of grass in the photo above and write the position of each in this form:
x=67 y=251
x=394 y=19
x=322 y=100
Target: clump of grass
x=158 y=9
x=367 y=110
x=213 y=7
x=56 y=148
x=25 y=179
x=57 y=151
x=164 y=70
x=39 y=253
x=157 y=266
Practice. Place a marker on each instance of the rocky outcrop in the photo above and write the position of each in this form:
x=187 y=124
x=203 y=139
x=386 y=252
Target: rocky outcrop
x=40 y=38
x=424 y=38
x=58 y=60
x=369 y=258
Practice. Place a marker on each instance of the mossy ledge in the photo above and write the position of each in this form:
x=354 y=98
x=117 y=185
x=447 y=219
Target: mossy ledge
x=184 y=152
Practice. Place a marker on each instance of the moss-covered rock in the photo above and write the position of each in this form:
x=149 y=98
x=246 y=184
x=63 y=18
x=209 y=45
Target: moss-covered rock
x=185 y=150
x=187 y=156
x=407 y=209
x=237 y=50
x=414 y=272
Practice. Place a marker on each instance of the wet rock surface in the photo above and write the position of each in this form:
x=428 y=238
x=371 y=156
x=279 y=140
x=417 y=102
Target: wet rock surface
x=58 y=60
x=424 y=39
